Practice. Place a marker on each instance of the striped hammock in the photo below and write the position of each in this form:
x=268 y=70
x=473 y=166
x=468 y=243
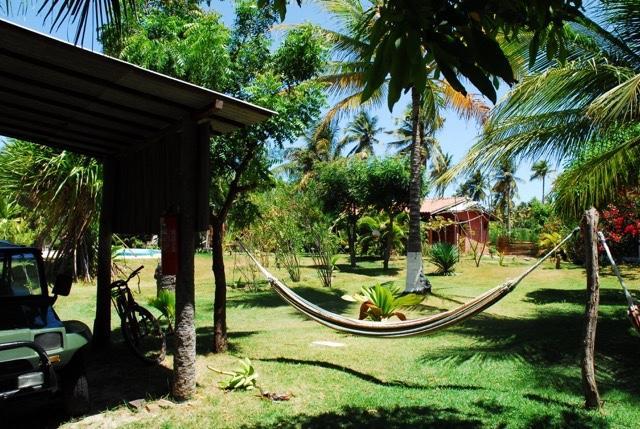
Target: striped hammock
x=390 y=329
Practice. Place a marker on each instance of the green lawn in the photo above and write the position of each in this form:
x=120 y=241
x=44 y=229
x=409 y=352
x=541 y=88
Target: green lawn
x=516 y=365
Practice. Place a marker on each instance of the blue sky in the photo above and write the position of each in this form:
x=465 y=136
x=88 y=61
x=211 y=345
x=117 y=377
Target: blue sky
x=456 y=137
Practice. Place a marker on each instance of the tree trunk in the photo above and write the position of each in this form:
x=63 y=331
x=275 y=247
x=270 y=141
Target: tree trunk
x=102 y=323
x=389 y=244
x=543 y=189
x=351 y=236
x=220 y=342
x=184 y=358
x=589 y=386
x=558 y=259
x=414 y=240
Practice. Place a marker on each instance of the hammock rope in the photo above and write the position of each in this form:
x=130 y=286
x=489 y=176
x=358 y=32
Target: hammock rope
x=633 y=311
x=404 y=328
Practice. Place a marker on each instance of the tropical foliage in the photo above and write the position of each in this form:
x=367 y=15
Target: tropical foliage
x=444 y=256
x=363 y=133
x=382 y=301
x=586 y=105
x=244 y=377
x=165 y=303
x=59 y=202
x=541 y=169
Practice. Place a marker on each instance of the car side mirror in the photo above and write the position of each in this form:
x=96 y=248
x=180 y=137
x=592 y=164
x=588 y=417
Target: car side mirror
x=62 y=286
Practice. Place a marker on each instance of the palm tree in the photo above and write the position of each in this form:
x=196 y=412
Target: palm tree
x=362 y=131
x=540 y=170
x=60 y=200
x=585 y=109
x=475 y=187
x=347 y=77
x=505 y=190
x=430 y=149
x=320 y=145
x=440 y=165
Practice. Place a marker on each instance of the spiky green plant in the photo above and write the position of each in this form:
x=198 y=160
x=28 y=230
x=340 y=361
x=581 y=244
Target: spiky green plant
x=244 y=377
x=46 y=183
x=165 y=303
x=444 y=256
x=382 y=301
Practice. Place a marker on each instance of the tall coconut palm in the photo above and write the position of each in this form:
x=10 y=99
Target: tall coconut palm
x=475 y=187
x=505 y=190
x=563 y=110
x=347 y=77
x=440 y=165
x=541 y=169
x=320 y=144
x=402 y=143
x=363 y=131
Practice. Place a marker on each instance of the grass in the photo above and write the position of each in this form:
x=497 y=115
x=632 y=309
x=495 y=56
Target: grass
x=515 y=366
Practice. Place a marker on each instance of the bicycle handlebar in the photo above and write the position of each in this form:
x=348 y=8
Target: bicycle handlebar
x=134 y=273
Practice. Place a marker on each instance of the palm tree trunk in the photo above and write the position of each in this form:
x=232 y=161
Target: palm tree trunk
x=351 y=235
x=414 y=241
x=389 y=243
x=509 y=212
x=543 y=189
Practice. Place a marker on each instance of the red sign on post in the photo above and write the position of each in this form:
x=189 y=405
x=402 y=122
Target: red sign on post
x=169 y=244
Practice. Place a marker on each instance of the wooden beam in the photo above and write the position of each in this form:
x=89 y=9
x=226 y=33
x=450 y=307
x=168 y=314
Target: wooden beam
x=60 y=125
x=37 y=127
x=115 y=128
x=70 y=72
x=10 y=82
x=47 y=140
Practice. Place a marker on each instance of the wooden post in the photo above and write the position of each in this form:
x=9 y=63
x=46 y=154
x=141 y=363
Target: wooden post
x=102 y=322
x=589 y=227
x=184 y=361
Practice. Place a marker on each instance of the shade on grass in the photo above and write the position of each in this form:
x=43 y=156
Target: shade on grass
x=516 y=365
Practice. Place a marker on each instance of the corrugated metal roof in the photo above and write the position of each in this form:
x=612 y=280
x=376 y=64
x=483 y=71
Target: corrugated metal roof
x=57 y=94
x=433 y=206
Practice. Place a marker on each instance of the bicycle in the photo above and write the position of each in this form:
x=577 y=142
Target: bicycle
x=140 y=329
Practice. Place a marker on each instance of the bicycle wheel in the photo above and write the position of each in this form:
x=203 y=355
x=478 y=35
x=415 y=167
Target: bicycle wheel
x=142 y=332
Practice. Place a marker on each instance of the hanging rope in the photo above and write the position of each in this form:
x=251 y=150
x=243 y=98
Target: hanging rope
x=404 y=328
x=633 y=311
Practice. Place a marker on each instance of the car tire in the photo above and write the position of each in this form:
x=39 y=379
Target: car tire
x=75 y=389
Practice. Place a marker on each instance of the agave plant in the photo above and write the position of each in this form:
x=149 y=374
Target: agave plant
x=382 y=301
x=243 y=378
x=444 y=256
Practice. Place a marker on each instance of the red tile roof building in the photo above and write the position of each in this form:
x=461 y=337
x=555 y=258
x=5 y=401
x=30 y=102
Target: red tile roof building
x=468 y=222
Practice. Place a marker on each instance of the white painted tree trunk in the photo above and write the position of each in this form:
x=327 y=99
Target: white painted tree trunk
x=416 y=280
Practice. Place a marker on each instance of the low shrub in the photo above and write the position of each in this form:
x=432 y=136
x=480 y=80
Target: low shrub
x=444 y=256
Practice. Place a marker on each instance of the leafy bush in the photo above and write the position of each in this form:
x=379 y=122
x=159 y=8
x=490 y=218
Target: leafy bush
x=382 y=301
x=444 y=256
x=324 y=252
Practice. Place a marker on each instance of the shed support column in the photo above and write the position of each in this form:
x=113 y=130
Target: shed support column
x=102 y=322
x=184 y=362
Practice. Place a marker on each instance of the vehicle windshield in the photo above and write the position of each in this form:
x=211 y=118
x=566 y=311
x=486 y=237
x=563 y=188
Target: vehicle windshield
x=20 y=275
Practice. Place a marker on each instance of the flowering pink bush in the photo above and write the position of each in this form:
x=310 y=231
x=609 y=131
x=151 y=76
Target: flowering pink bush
x=620 y=224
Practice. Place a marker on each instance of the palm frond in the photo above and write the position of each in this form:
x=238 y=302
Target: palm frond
x=85 y=13
x=591 y=182
x=619 y=104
